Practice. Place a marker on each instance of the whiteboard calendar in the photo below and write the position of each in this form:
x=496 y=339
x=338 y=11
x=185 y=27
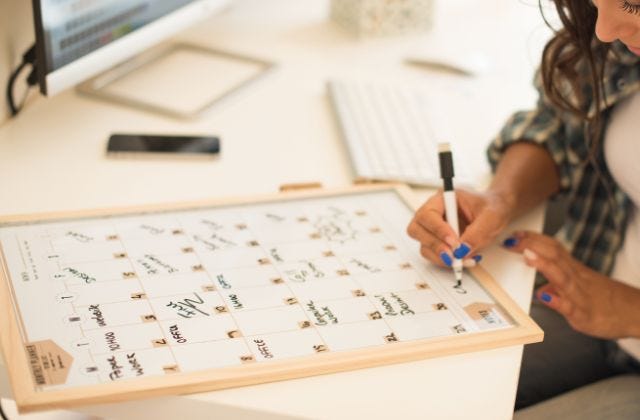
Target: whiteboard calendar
x=190 y=298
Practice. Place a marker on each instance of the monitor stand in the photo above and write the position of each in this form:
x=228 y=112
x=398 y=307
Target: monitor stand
x=179 y=80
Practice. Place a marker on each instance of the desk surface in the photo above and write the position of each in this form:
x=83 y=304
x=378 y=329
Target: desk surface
x=281 y=130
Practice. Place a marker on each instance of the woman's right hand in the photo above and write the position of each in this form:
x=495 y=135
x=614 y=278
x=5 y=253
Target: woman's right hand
x=482 y=216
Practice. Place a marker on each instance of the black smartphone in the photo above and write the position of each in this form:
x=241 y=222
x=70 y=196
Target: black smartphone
x=163 y=145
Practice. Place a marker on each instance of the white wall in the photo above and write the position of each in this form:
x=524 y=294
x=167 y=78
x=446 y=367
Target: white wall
x=16 y=35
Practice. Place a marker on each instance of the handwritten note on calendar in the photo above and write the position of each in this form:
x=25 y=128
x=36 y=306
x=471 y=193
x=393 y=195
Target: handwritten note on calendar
x=108 y=299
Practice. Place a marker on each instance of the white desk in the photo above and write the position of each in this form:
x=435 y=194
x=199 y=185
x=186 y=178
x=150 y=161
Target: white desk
x=281 y=131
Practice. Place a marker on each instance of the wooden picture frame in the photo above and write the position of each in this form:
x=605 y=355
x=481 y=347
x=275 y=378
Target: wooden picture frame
x=28 y=398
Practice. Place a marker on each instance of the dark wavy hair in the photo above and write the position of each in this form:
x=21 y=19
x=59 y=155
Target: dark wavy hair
x=573 y=49
x=575 y=59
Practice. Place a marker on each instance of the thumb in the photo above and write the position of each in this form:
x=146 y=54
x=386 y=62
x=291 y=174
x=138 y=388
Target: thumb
x=481 y=231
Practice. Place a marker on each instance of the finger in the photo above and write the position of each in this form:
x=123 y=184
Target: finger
x=543 y=245
x=477 y=234
x=464 y=209
x=438 y=259
x=420 y=234
x=472 y=261
x=548 y=287
x=427 y=240
x=562 y=305
x=552 y=271
x=431 y=217
x=553 y=250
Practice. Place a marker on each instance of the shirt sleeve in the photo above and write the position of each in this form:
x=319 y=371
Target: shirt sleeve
x=544 y=125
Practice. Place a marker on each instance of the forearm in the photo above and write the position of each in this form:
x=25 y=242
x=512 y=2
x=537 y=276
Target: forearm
x=525 y=177
x=627 y=306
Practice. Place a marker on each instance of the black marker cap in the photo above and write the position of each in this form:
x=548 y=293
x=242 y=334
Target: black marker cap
x=446 y=161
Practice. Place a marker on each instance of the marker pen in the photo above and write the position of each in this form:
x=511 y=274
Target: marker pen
x=450 y=204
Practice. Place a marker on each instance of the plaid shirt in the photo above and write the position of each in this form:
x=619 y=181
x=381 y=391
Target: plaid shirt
x=596 y=219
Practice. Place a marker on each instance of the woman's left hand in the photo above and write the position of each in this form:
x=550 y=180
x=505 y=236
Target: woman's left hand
x=592 y=303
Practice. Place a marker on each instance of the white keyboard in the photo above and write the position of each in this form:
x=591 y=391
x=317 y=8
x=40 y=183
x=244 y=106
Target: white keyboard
x=390 y=132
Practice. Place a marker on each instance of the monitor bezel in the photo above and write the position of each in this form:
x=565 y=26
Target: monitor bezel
x=41 y=56
x=117 y=51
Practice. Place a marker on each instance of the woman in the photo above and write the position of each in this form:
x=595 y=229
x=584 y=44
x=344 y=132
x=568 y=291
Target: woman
x=583 y=142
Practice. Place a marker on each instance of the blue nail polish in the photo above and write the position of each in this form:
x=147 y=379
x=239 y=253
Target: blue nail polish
x=545 y=297
x=510 y=242
x=446 y=259
x=462 y=251
x=477 y=258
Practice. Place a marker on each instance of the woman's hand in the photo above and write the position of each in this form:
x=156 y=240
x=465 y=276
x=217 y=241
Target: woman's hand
x=482 y=216
x=592 y=303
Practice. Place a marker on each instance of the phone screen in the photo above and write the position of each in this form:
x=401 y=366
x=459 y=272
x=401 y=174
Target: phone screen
x=164 y=145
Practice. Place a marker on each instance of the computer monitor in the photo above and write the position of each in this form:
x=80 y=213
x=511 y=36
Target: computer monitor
x=77 y=39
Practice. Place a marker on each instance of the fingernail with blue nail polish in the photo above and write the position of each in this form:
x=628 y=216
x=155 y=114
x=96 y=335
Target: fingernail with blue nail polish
x=545 y=297
x=477 y=258
x=446 y=259
x=462 y=251
x=510 y=242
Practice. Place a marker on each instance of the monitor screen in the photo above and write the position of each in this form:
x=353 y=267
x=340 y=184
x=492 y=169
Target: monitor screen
x=68 y=32
x=74 y=28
